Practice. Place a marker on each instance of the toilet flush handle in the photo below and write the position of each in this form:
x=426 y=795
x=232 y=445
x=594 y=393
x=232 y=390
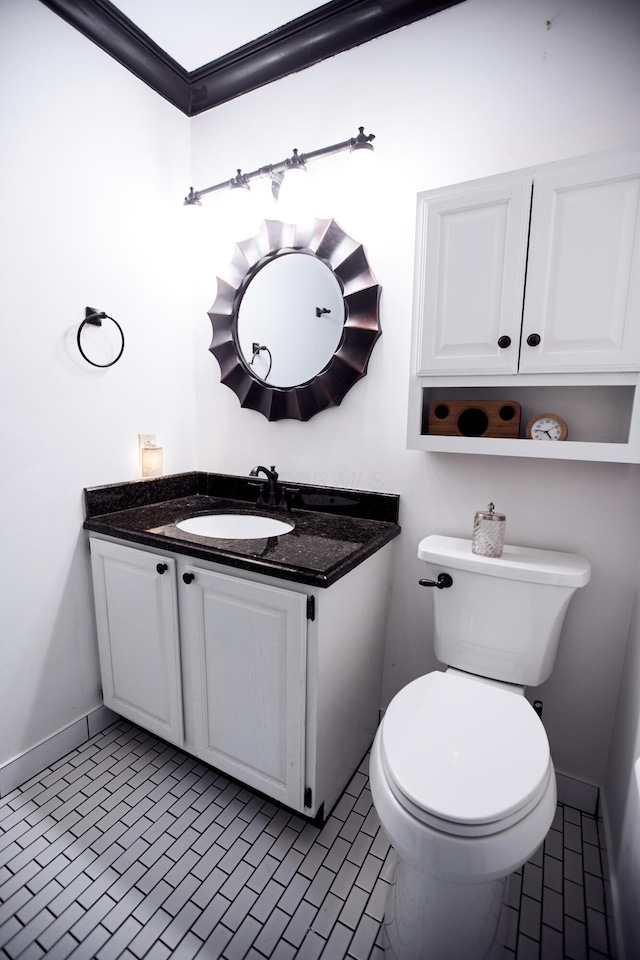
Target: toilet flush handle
x=444 y=580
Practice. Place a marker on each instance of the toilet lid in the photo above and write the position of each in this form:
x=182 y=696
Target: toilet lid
x=466 y=751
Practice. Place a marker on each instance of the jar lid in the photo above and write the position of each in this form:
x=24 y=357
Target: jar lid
x=491 y=515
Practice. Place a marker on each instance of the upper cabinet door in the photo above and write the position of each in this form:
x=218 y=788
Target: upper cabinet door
x=583 y=277
x=471 y=250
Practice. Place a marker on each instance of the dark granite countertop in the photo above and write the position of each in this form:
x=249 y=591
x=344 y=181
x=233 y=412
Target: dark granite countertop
x=335 y=528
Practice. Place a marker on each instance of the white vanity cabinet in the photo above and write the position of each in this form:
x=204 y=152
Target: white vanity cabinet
x=532 y=280
x=273 y=682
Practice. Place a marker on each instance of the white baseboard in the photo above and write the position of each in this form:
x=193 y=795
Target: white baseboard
x=611 y=889
x=577 y=793
x=99 y=719
x=21 y=768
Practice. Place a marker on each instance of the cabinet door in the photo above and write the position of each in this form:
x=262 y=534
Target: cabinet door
x=471 y=253
x=248 y=688
x=137 y=620
x=583 y=278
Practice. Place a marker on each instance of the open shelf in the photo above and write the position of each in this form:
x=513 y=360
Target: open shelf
x=600 y=412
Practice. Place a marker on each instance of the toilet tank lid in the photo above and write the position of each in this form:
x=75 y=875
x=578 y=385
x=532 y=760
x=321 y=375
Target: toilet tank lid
x=516 y=563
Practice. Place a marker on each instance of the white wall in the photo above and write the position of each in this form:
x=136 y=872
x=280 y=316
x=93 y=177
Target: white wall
x=478 y=89
x=92 y=170
x=622 y=793
x=481 y=88
x=93 y=167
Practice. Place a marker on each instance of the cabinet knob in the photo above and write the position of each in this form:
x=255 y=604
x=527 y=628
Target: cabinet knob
x=533 y=339
x=162 y=567
x=504 y=342
x=188 y=577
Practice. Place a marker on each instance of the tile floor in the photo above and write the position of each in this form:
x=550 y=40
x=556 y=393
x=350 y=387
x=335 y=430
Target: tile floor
x=128 y=848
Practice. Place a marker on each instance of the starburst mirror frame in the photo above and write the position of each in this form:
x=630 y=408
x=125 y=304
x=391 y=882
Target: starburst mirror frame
x=347 y=260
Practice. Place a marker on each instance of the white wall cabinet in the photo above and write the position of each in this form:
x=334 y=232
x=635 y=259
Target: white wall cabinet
x=578 y=246
x=532 y=280
x=275 y=683
x=469 y=283
x=583 y=274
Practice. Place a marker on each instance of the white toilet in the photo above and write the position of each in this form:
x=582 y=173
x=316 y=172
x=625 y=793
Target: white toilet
x=460 y=770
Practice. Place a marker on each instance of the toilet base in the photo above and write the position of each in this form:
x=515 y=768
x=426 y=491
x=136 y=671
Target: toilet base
x=429 y=919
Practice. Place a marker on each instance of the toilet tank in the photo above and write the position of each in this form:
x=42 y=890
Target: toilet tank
x=502 y=617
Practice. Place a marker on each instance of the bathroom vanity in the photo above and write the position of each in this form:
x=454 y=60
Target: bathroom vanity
x=261 y=657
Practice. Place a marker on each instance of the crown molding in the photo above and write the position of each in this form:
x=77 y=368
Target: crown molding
x=329 y=29
x=118 y=36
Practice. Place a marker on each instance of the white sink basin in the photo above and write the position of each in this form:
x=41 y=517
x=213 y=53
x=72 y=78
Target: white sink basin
x=234 y=526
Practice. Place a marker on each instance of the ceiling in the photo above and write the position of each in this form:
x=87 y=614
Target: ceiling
x=201 y=53
x=195 y=32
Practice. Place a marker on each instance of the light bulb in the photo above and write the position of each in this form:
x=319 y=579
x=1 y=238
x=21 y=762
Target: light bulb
x=294 y=199
x=361 y=158
x=243 y=219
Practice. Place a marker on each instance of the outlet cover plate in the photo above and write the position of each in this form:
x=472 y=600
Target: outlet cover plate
x=145 y=440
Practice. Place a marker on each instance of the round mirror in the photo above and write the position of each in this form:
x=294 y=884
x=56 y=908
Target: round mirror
x=295 y=319
x=290 y=319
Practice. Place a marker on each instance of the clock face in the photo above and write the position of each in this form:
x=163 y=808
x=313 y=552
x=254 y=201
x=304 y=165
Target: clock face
x=547 y=426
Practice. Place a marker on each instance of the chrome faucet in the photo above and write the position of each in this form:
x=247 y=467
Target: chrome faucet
x=274 y=491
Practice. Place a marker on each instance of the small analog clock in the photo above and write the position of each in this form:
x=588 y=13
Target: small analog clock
x=547 y=426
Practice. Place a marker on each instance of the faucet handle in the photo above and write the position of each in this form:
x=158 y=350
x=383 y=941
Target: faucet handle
x=291 y=497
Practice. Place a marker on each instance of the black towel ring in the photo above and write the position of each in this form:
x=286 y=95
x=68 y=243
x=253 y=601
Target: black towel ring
x=95 y=318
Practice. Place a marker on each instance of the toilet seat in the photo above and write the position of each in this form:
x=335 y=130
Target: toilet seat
x=463 y=755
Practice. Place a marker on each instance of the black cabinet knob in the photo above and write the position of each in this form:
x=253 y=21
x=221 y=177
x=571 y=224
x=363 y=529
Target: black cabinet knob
x=188 y=577
x=162 y=567
x=504 y=342
x=533 y=339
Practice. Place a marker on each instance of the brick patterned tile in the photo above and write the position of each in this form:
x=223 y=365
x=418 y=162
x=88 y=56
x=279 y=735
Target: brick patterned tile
x=20 y=937
x=532 y=881
x=327 y=915
x=267 y=900
x=211 y=916
x=300 y=923
x=215 y=944
x=269 y=933
x=364 y=938
x=289 y=867
x=92 y=917
x=239 y=909
x=338 y=943
x=127 y=848
x=353 y=909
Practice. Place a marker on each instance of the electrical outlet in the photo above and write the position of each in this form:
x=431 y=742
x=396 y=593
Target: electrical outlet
x=145 y=440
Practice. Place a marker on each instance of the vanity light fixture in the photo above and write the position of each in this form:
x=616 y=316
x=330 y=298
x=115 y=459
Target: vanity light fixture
x=275 y=172
x=291 y=190
x=362 y=142
x=241 y=213
x=239 y=182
